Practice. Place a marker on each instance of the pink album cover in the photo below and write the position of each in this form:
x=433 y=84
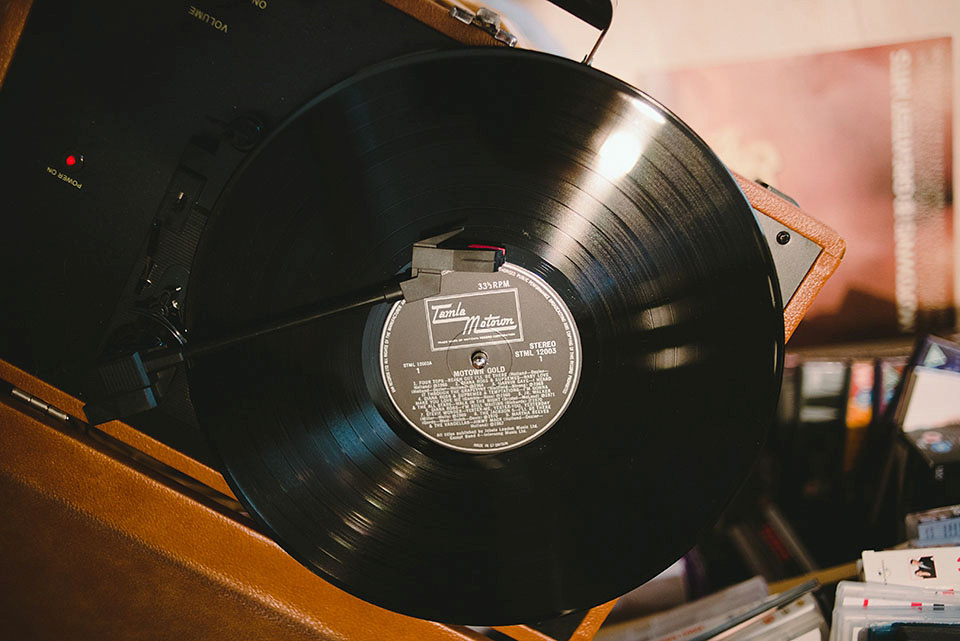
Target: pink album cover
x=862 y=139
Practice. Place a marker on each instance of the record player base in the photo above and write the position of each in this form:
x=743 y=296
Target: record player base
x=94 y=545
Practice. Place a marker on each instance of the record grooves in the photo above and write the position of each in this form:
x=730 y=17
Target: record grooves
x=632 y=232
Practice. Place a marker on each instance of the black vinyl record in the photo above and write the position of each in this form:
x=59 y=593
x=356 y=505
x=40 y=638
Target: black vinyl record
x=620 y=415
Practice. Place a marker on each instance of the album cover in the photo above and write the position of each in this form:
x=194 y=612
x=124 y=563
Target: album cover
x=931 y=386
x=876 y=595
x=864 y=611
x=926 y=568
x=859 y=412
x=787 y=615
x=689 y=620
x=798 y=619
x=887 y=376
x=939 y=526
x=886 y=189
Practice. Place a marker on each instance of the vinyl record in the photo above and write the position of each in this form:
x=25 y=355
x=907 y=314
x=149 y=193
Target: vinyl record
x=628 y=354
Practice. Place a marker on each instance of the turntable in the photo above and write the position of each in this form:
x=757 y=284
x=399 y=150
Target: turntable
x=436 y=312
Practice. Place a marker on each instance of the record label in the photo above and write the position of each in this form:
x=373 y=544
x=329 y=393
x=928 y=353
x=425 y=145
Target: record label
x=489 y=364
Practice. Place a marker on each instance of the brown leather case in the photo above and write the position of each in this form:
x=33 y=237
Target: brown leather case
x=13 y=15
x=438 y=17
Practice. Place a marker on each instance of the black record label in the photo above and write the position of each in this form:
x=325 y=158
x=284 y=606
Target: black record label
x=487 y=365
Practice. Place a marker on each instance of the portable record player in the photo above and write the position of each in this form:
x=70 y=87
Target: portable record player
x=189 y=177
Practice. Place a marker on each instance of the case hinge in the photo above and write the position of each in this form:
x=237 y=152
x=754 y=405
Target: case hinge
x=40 y=405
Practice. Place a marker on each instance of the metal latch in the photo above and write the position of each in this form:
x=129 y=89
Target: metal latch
x=485 y=19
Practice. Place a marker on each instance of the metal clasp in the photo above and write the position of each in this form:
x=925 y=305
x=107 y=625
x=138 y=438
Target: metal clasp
x=485 y=19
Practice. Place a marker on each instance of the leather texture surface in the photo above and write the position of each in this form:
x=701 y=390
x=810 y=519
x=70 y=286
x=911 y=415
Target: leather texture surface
x=13 y=15
x=91 y=547
x=792 y=217
x=121 y=431
x=431 y=13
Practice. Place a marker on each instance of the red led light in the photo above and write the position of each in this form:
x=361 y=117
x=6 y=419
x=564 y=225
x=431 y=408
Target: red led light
x=72 y=161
